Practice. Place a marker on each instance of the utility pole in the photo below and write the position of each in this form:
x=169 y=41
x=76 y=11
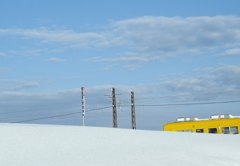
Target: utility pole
x=133 y=111
x=83 y=105
x=114 y=109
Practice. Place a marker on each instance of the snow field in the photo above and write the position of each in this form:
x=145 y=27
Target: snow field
x=50 y=145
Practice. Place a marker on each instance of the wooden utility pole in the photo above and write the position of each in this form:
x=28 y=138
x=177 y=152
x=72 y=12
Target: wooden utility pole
x=114 y=109
x=83 y=105
x=133 y=111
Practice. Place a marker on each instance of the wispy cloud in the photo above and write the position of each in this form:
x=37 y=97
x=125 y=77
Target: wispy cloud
x=224 y=78
x=67 y=37
x=131 y=67
x=70 y=78
x=30 y=53
x=5 y=70
x=15 y=84
x=166 y=36
x=2 y=54
x=150 y=38
x=216 y=79
x=123 y=59
x=56 y=59
x=231 y=52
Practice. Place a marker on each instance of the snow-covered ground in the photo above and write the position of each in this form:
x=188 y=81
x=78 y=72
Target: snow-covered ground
x=45 y=145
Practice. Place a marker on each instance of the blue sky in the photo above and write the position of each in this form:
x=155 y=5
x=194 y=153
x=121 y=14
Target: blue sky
x=188 y=50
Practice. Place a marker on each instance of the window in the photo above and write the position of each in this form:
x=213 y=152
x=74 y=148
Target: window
x=184 y=131
x=230 y=130
x=225 y=130
x=199 y=131
x=212 y=130
x=234 y=130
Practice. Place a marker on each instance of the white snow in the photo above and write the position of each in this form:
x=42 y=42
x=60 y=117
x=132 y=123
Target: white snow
x=45 y=145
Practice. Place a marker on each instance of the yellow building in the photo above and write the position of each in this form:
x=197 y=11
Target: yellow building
x=218 y=124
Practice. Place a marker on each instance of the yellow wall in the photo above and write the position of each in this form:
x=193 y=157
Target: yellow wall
x=203 y=124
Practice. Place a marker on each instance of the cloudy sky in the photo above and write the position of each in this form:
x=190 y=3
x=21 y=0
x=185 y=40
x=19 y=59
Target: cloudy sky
x=181 y=58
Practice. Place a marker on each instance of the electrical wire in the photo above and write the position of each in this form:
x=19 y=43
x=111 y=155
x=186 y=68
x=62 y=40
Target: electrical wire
x=32 y=115
x=188 y=95
x=180 y=101
x=39 y=109
x=68 y=106
x=180 y=104
x=46 y=117
x=143 y=105
x=78 y=112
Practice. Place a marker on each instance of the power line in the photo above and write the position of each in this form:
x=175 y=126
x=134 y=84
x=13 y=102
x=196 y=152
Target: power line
x=39 y=109
x=68 y=106
x=197 y=94
x=32 y=115
x=58 y=115
x=46 y=117
x=144 y=105
x=180 y=104
x=98 y=109
x=180 y=101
